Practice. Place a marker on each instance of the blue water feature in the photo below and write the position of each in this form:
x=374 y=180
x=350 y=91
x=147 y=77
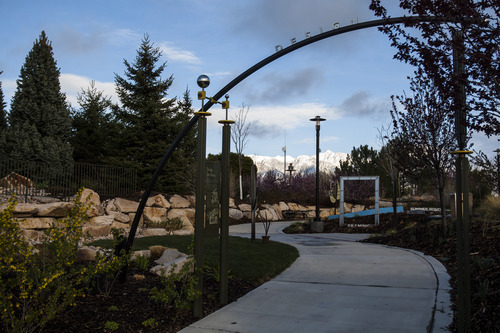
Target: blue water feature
x=368 y=212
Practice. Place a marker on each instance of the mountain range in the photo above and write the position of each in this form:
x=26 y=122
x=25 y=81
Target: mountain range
x=303 y=164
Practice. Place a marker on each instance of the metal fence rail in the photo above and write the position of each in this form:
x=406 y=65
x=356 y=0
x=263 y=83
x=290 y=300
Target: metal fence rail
x=28 y=179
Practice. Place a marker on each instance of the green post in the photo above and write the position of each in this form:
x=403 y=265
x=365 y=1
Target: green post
x=199 y=224
x=199 y=217
x=253 y=197
x=462 y=189
x=224 y=225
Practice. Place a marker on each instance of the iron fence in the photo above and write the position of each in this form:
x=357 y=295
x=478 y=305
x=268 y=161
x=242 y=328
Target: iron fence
x=28 y=179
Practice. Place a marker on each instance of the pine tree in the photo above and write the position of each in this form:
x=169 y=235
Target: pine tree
x=148 y=118
x=40 y=123
x=3 y=111
x=180 y=168
x=92 y=127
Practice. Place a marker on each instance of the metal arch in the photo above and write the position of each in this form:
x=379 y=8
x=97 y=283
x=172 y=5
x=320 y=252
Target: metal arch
x=247 y=73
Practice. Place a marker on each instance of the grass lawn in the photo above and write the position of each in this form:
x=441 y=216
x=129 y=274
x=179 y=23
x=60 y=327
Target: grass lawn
x=250 y=261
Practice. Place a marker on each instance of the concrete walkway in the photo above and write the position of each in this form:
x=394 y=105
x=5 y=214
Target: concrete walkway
x=339 y=285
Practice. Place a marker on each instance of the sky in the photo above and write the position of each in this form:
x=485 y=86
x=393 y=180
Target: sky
x=347 y=79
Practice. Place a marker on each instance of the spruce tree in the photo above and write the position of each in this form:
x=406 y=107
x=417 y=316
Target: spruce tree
x=148 y=118
x=3 y=111
x=40 y=122
x=92 y=127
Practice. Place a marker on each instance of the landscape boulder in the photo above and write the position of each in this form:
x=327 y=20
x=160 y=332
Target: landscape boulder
x=55 y=209
x=177 y=201
x=126 y=206
x=158 y=201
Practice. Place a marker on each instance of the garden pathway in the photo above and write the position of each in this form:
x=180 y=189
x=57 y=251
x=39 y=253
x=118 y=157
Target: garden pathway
x=340 y=285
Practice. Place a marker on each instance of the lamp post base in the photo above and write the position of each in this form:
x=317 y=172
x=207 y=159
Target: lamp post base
x=317 y=226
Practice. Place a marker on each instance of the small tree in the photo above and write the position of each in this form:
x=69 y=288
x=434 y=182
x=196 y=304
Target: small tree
x=428 y=131
x=388 y=163
x=239 y=136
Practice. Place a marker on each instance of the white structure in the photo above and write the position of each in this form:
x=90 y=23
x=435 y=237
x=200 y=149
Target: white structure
x=376 y=179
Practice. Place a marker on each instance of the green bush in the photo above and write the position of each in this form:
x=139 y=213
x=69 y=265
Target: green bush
x=489 y=213
x=142 y=262
x=37 y=283
x=108 y=266
x=490 y=207
x=178 y=289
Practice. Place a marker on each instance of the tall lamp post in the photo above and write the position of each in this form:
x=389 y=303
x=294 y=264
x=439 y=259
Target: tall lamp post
x=284 y=161
x=317 y=225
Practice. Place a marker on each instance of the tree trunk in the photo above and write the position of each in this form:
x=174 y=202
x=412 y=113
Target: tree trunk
x=443 y=208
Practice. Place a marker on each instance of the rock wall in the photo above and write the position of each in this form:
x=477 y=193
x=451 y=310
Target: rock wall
x=119 y=213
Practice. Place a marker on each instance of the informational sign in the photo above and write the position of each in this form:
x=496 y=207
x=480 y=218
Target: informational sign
x=212 y=199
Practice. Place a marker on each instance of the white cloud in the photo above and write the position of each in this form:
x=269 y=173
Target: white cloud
x=312 y=140
x=123 y=36
x=176 y=54
x=72 y=84
x=291 y=116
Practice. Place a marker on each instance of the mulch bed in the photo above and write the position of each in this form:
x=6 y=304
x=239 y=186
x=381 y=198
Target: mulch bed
x=129 y=305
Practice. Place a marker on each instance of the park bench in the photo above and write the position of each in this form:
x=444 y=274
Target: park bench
x=293 y=214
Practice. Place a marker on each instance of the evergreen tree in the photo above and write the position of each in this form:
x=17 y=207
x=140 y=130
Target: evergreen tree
x=181 y=167
x=149 y=119
x=40 y=122
x=3 y=111
x=92 y=127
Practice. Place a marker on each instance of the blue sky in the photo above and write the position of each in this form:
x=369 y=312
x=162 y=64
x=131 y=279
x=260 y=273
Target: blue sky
x=346 y=79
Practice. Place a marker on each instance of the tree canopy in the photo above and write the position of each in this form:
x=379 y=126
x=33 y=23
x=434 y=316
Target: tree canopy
x=3 y=111
x=39 y=119
x=429 y=46
x=93 y=134
x=148 y=119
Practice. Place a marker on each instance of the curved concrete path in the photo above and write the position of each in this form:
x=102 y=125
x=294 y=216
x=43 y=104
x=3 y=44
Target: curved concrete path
x=340 y=285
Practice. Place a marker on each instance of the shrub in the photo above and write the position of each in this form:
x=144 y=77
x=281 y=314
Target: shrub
x=109 y=265
x=179 y=289
x=142 y=262
x=151 y=323
x=37 y=283
x=489 y=213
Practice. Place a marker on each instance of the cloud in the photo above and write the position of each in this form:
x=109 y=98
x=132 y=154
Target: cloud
x=265 y=119
x=72 y=85
x=277 y=19
x=123 y=36
x=277 y=86
x=73 y=41
x=174 y=53
x=312 y=140
x=362 y=104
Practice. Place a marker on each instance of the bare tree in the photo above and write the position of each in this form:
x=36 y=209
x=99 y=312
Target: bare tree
x=388 y=163
x=425 y=132
x=239 y=136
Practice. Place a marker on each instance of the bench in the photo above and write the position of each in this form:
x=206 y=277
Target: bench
x=293 y=214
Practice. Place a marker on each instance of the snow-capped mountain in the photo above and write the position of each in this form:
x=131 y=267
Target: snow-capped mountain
x=302 y=164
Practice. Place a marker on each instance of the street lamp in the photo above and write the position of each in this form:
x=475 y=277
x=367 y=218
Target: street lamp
x=290 y=170
x=498 y=168
x=284 y=161
x=317 y=226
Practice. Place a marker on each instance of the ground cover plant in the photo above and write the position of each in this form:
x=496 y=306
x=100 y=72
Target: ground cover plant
x=130 y=307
